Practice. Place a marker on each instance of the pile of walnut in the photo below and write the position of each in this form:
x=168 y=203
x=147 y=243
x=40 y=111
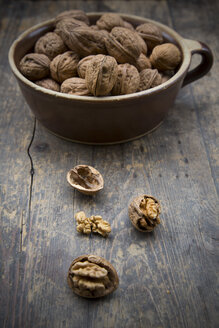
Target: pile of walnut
x=109 y=58
x=95 y=224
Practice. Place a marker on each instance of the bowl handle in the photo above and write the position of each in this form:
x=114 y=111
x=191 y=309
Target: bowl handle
x=197 y=47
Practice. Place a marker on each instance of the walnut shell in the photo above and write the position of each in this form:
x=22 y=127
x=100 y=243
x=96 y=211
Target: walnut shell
x=65 y=27
x=85 y=179
x=50 y=45
x=84 y=41
x=49 y=84
x=101 y=75
x=127 y=80
x=151 y=34
x=64 y=66
x=144 y=213
x=142 y=63
x=123 y=45
x=35 y=66
x=75 y=14
x=142 y=44
x=108 y=21
x=149 y=78
x=165 y=57
x=92 y=276
x=75 y=86
x=82 y=65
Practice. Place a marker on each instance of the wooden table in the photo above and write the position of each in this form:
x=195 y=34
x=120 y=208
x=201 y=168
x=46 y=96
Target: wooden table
x=167 y=278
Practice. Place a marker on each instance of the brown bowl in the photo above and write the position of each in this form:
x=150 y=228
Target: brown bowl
x=111 y=119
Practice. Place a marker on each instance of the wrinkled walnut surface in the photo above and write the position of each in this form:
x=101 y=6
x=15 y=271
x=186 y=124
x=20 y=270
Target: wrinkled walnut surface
x=142 y=63
x=49 y=84
x=85 y=179
x=95 y=224
x=75 y=86
x=108 y=21
x=92 y=276
x=165 y=57
x=35 y=66
x=151 y=34
x=149 y=78
x=144 y=213
x=123 y=44
x=75 y=14
x=50 y=45
x=64 y=66
x=82 y=65
x=127 y=80
x=101 y=75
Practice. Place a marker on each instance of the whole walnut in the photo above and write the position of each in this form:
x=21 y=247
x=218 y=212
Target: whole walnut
x=142 y=43
x=50 y=45
x=65 y=27
x=127 y=80
x=64 y=66
x=123 y=45
x=165 y=57
x=84 y=41
x=49 y=84
x=149 y=78
x=101 y=75
x=35 y=66
x=144 y=213
x=92 y=276
x=75 y=14
x=108 y=21
x=151 y=34
x=82 y=65
x=75 y=86
x=142 y=63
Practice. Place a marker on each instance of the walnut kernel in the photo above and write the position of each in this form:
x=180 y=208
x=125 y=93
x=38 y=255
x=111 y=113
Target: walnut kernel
x=144 y=213
x=83 y=223
x=100 y=226
x=92 y=276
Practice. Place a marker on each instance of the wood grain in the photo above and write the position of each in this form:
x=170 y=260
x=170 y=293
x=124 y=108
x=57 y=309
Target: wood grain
x=167 y=278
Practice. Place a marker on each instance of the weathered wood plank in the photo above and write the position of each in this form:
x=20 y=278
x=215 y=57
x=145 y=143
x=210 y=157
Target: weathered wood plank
x=168 y=278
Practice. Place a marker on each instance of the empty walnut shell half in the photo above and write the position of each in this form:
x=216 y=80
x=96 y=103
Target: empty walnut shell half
x=85 y=179
x=92 y=276
x=144 y=213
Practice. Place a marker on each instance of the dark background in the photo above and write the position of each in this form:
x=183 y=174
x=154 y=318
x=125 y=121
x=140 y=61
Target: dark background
x=167 y=278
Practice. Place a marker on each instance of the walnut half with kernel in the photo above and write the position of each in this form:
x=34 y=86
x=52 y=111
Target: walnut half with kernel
x=92 y=276
x=144 y=213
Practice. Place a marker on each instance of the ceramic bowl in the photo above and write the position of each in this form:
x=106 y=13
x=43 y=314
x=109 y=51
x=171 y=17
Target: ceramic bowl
x=111 y=119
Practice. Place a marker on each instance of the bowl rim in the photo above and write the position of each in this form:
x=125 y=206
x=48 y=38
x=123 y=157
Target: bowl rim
x=176 y=77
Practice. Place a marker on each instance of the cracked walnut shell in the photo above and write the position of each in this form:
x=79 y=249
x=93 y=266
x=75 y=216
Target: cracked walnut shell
x=151 y=34
x=165 y=57
x=123 y=45
x=144 y=213
x=85 y=179
x=101 y=75
x=64 y=66
x=92 y=276
x=127 y=80
x=35 y=66
x=50 y=45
